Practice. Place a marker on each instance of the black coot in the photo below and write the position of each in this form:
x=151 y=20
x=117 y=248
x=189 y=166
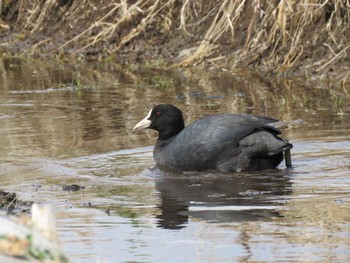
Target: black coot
x=226 y=142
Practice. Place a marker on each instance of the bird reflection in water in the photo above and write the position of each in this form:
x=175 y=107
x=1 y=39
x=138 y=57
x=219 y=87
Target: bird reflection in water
x=221 y=198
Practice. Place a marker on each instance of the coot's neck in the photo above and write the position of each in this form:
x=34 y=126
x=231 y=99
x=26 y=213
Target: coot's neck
x=170 y=131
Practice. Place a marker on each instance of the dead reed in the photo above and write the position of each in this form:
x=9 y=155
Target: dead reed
x=273 y=35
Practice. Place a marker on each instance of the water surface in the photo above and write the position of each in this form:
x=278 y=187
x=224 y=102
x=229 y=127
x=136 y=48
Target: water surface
x=66 y=139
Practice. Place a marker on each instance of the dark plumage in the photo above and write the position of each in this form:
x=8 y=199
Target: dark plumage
x=226 y=142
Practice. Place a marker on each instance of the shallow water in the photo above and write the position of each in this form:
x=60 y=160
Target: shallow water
x=66 y=139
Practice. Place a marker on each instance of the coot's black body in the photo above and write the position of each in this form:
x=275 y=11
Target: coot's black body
x=226 y=142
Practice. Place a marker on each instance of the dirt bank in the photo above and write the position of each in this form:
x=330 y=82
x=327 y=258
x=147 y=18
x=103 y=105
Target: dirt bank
x=286 y=36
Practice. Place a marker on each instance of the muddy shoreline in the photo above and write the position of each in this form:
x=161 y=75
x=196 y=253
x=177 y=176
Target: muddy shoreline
x=285 y=38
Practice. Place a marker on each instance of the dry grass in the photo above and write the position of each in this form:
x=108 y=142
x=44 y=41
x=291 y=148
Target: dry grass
x=274 y=35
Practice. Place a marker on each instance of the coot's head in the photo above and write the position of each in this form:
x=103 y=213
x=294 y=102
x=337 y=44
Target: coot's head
x=164 y=118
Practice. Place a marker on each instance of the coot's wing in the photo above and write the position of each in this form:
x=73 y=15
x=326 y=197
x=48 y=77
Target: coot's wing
x=199 y=145
x=215 y=130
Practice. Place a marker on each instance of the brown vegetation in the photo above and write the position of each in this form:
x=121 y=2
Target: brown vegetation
x=309 y=36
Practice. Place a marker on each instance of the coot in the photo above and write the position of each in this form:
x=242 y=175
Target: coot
x=224 y=142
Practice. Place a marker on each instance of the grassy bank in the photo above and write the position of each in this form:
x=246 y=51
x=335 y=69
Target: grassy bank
x=307 y=37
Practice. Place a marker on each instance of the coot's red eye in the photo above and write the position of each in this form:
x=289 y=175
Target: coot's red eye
x=158 y=113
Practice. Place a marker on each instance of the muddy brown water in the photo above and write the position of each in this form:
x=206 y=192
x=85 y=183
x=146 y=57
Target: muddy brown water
x=66 y=139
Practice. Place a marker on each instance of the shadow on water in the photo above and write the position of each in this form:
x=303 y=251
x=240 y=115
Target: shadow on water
x=219 y=198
